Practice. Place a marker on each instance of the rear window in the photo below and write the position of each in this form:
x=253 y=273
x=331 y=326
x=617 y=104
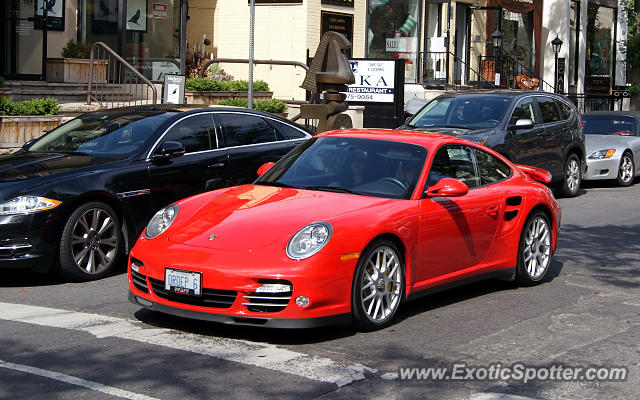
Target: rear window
x=609 y=125
x=548 y=110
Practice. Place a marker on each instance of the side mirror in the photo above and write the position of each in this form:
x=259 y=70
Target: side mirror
x=524 y=123
x=265 y=167
x=448 y=187
x=169 y=150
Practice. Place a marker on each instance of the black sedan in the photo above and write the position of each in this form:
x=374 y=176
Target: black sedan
x=77 y=198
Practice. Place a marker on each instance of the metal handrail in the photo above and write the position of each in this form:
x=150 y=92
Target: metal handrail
x=246 y=61
x=124 y=64
x=478 y=75
x=524 y=67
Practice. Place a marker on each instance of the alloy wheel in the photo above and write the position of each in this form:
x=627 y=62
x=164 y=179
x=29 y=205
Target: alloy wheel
x=626 y=169
x=381 y=284
x=537 y=248
x=573 y=175
x=94 y=241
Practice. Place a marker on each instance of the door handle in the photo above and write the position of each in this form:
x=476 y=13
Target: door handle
x=216 y=165
x=493 y=210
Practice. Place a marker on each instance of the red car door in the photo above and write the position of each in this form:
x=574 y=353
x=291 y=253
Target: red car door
x=455 y=233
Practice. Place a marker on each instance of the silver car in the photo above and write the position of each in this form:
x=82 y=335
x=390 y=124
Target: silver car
x=612 y=142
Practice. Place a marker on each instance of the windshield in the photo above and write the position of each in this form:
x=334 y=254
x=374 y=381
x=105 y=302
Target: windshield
x=103 y=133
x=365 y=167
x=609 y=125
x=467 y=112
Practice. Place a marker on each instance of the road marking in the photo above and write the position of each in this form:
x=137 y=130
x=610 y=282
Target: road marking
x=98 y=387
x=250 y=353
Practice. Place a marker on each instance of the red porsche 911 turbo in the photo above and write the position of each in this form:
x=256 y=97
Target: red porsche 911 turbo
x=345 y=228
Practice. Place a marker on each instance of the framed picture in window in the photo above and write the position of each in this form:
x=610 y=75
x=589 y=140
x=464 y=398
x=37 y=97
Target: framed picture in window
x=55 y=14
x=136 y=15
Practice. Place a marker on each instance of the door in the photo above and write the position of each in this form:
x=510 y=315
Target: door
x=455 y=233
x=554 y=139
x=203 y=167
x=23 y=43
x=482 y=23
x=251 y=141
x=526 y=143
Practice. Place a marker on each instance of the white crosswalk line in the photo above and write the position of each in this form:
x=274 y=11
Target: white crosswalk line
x=255 y=354
x=98 y=387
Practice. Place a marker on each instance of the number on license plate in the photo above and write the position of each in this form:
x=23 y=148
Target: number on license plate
x=185 y=282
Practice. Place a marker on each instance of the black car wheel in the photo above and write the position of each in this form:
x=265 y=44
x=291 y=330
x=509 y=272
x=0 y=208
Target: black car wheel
x=378 y=286
x=626 y=171
x=90 y=244
x=572 y=177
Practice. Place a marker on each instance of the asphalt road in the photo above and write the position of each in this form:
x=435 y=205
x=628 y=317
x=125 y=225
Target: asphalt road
x=62 y=340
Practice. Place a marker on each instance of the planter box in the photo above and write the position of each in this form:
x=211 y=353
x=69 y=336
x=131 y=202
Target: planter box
x=194 y=97
x=5 y=93
x=75 y=70
x=15 y=131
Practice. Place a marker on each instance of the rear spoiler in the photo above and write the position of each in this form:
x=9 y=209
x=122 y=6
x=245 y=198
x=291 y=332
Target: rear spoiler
x=536 y=173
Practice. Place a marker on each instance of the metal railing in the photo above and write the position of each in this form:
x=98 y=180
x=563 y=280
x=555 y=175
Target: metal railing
x=436 y=74
x=113 y=82
x=586 y=102
x=510 y=69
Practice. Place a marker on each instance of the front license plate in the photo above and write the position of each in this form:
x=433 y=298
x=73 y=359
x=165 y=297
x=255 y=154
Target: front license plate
x=184 y=282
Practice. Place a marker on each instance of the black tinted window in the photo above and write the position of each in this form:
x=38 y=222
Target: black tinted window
x=491 y=169
x=286 y=132
x=246 y=129
x=456 y=162
x=567 y=110
x=609 y=125
x=524 y=110
x=196 y=133
x=548 y=110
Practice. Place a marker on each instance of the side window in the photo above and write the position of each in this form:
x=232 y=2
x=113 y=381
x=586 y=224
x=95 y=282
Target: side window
x=524 y=110
x=490 y=168
x=548 y=109
x=245 y=129
x=567 y=110
x=454 y=161
x=286 y=132
x=196 y=133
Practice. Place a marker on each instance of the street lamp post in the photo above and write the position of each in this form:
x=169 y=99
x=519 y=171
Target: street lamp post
x=556 y=44
x=497 y=49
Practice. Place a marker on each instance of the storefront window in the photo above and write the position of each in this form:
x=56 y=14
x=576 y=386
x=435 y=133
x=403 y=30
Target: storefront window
x=518 y=37
x=600 y=26
x=393 y=33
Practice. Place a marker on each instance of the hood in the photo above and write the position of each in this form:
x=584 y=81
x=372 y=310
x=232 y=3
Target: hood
x=600 y=142
x=450 y=131
x=251 y=216
x=24 y=166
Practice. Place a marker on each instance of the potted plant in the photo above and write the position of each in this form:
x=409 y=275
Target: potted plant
x=273 y=106
x=4 y=92
x=26 y=120
x=73 y=67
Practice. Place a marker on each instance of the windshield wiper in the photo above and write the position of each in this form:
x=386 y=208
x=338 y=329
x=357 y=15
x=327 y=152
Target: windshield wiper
x=330 y=189
x=277 y=184
x=455 y=126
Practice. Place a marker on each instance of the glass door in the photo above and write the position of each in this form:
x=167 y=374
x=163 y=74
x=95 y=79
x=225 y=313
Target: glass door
x=23 y=43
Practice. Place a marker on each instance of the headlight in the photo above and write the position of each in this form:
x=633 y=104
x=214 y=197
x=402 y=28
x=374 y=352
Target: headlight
x=309 y=240
x=606 y=153
x=161 y=221
x=27 y=205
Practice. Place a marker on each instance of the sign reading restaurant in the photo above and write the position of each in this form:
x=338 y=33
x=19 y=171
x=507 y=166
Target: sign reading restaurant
x=374 y=80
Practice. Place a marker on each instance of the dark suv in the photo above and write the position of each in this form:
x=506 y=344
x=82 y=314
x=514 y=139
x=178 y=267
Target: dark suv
x=532 y=128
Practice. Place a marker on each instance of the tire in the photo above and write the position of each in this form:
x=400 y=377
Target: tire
x=571 y=176
x=626 y=170
x=377 y=292
x=534 y=251
x=90 y=244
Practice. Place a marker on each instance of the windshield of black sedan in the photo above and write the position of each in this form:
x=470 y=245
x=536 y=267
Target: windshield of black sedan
x=103 y=133
x=350 y=165
x=467 y=112
x=609 y=125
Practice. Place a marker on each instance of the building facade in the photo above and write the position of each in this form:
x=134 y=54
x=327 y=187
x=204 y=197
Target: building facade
x=443 y=42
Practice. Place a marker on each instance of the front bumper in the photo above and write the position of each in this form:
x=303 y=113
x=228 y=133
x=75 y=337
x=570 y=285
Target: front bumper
x=606 y=168
x=229 y=283
x=28 y=241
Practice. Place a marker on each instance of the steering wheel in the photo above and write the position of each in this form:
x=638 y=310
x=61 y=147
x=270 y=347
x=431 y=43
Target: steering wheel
x=395 y=181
